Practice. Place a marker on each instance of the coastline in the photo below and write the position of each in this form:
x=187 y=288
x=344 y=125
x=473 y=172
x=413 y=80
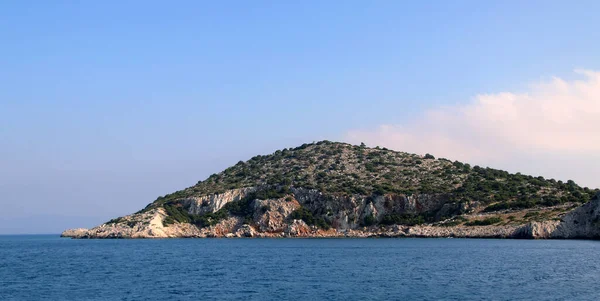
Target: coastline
x=532 y=230
x=582 y=222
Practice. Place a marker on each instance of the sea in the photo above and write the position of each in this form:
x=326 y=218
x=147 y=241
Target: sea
x=47 y=267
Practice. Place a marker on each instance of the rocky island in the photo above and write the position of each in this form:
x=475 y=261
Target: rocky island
x=330 y=189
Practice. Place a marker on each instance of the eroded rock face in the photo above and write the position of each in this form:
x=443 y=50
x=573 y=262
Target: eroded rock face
x=214 y=202
x=536 y=230
x=272 y=215
x=583 y=222
x=145 y=225
x=298 y=228
x=271 y=218
x=246 y=231
x=348 y=212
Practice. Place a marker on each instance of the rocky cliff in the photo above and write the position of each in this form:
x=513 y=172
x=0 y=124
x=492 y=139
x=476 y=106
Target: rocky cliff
x=330 y=189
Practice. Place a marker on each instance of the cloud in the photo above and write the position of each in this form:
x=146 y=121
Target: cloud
x=552 y=127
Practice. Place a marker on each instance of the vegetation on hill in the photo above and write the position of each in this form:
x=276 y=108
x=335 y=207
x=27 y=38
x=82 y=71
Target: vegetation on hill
x=344 y=169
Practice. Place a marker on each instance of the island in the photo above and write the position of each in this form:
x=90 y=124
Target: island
x=332 y=189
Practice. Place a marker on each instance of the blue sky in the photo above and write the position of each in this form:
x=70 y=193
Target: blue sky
x=106 y=105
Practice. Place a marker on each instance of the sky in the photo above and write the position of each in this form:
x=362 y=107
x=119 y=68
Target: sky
x=106 y=105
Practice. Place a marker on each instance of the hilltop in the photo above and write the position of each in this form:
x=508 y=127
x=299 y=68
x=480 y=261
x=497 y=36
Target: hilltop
x=337 y=189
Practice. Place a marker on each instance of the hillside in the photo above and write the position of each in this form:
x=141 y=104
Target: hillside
x=330 y=189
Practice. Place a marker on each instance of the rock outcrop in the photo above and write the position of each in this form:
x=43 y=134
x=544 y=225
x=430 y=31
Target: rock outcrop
x=271 y=218
x=214 y=202
x=583 y=222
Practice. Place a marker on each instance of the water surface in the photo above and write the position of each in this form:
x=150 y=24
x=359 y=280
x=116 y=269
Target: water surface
x=53 y=268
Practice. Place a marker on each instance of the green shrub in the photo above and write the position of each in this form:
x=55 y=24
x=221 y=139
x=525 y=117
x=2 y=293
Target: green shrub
x=177 y=213
x=402 y=219
x=114 y=221
x=369 y=220
x=307 y=216
x=531 y=214
x=370 y=167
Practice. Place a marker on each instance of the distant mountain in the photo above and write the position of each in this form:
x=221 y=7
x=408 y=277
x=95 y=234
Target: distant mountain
x=337 y=189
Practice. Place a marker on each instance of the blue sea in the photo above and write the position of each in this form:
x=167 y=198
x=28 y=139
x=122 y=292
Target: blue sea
x=46 y=267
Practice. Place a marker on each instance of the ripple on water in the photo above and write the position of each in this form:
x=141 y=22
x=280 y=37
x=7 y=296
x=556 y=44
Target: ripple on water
x=51 y=268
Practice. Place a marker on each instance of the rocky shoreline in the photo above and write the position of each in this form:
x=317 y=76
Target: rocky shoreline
x=582 y=222
x=529 y=231
x=233 y=228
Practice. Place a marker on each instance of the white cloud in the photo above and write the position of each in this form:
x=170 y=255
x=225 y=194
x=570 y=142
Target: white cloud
x=553 y=129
